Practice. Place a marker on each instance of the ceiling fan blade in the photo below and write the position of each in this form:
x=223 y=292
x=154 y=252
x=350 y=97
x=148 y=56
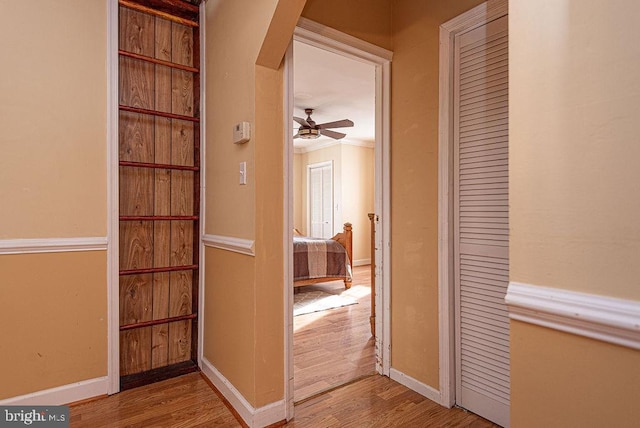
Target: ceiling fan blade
x=296 y=136
x=345 y=123
x=333 y=134
x=301 y=121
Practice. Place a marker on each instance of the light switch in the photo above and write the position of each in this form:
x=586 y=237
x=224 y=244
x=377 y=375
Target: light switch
x=243 y=173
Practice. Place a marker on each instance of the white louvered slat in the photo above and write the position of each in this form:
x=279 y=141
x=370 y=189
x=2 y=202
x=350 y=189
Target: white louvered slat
x=481 y=193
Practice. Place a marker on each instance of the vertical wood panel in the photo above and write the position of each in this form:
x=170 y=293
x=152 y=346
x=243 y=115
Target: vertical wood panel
x=136 y=244
x=137 y=32
x=135 y=298
x=182 y=92
x=135 y=350
x=182 y=136
x=135 y=137
x=137 y=83
x=146 y=191
x=182 y=44
x=136 y=191
x=182 y=193
x=160 y=346
x=163 y=130
x=181 y=243
x=180 y=300
x=179 y=341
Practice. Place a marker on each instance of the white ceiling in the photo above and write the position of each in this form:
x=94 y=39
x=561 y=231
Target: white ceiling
x=336 y=88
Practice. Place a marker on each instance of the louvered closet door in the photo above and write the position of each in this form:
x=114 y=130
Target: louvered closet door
x=481 y=197
x=159 y=188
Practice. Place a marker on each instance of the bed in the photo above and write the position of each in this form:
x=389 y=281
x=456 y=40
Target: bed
x=319 y=260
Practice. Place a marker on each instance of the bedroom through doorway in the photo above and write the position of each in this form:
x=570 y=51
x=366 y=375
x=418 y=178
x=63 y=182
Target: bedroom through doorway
x=333 y=192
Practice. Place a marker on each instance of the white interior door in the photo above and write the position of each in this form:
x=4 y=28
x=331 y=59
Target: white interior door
x=321 y=200
x=481 y=220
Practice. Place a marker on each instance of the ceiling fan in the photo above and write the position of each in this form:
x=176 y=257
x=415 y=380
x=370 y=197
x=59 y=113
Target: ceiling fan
x=310 y=130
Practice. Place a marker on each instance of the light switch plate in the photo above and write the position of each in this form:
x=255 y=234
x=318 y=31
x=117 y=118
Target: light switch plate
x=243 y=173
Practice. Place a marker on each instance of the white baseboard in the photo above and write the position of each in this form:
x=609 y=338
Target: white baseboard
x=598 y=317
x=61 y=395
x=361 y=262
x=260 y=417
x=230 y=243
x=417 y=386
x=52 y=245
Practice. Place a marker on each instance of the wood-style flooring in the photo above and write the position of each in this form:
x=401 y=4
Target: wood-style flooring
x=330 y=349
x=334 y=347
x=188 y=401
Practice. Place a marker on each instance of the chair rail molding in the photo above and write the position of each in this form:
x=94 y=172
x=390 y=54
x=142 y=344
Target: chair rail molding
x=52 y=245
x=230 y=243
x=598 y=317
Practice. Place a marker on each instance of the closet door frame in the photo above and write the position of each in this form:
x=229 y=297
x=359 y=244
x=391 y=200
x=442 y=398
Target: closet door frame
x=469 y=20
x=112 y=149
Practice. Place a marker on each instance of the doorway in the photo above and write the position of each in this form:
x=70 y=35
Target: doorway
x=339 y=43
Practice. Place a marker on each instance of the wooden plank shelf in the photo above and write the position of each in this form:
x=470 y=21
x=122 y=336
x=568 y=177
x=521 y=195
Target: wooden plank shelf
x=157 y=269
x=159 y=166
x=158 y=322
x=158 y=61
x=158 y=217
x=159 y=113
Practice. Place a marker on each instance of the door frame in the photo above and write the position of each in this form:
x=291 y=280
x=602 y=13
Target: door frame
x=335 y=41
x=309 y=198
x=479 y=15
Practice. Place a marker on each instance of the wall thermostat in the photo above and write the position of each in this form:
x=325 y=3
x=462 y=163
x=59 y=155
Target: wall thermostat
x=241 y=133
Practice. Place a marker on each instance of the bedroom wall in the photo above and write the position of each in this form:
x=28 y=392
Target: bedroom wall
x=353 y=174
x=53 y=307
x=357 y=197
x=414 y=184
x=574 y=211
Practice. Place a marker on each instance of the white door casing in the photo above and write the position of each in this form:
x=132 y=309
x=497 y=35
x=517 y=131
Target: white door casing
x=340 y=43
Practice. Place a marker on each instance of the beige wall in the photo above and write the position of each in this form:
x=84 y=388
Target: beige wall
x=53 y=307
x=574 y=212
x=357 y=196
x=53 y=119
x=575 y=167
x=53 y=320
x=244 y=307
x=414 y=184
x=353 y=175
x=562 y=380
x=369 y=20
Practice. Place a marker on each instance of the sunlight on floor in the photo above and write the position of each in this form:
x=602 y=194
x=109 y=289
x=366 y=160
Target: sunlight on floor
x=356 y=292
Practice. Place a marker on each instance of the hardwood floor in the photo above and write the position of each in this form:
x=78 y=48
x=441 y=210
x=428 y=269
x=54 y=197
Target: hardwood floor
x=334 y=347
x=188 y=401
x=185 y=401
x=329 y=349
x=378 y=401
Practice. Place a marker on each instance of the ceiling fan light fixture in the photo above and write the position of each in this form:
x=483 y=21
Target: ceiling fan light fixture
x=308 y=133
